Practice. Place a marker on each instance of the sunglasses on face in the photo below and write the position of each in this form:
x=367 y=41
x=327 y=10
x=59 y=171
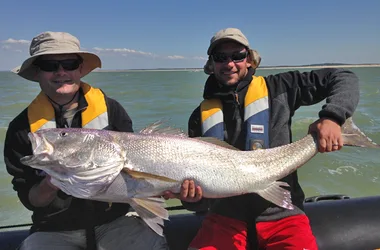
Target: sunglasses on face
x=221 y=57
x=53 y=65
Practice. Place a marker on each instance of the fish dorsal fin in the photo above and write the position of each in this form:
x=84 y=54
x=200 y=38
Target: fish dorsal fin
x=157 y=128
x=143 y=175
x=217 y=142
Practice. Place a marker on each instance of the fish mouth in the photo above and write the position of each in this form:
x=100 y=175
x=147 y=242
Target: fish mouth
x=42 y=149
x=35 y=140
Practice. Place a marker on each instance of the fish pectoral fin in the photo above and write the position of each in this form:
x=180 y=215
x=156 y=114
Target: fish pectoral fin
x=277 y=195
x=144 y=175
x=152 y=212
x=154 y=205
x=217 y=142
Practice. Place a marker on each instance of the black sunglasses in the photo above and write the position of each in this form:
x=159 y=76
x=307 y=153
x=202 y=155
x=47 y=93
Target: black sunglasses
x=221 y=57
x=53 y=65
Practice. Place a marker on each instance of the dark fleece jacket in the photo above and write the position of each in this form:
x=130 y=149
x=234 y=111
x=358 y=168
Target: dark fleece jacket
x=287 y=92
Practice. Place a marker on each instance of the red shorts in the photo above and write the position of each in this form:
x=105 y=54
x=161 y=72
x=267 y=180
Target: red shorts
x=219 y=232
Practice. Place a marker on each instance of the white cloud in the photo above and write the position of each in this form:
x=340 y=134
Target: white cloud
x=176 y=57
x=14 y=45
x=123 y=50
x=112 y=57
x=14 y=41
x=200 y=58
x=127 y=52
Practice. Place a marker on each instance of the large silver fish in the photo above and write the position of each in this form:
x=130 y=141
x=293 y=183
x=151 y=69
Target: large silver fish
x=136 y=168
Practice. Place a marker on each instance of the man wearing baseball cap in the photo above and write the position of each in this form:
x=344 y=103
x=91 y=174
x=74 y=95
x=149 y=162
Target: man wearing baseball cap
x=62 y=221
x=252 y=112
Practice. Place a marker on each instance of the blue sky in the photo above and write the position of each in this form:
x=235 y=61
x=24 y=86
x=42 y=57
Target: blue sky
x=161 y=34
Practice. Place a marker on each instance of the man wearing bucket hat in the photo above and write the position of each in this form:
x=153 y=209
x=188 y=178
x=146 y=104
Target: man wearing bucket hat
x=252 y=112
x=59 y=220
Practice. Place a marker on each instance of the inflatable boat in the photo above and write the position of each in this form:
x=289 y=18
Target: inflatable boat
x=337 y=221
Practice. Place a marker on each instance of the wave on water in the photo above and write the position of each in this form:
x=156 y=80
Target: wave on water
x=344 y=169
x=3 y=131
x=364 y=172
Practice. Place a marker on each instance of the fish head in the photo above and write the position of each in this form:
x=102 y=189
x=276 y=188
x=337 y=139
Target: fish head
x=77 y=150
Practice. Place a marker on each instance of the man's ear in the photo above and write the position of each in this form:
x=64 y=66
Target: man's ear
x=36 y=74
x=248 y=63
x=209 y=67
x=255 y=58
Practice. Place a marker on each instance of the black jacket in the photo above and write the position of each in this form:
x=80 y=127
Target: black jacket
x=64 y=212
x=287 y=92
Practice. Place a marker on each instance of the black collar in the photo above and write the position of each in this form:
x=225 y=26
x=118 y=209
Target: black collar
x=214 y=89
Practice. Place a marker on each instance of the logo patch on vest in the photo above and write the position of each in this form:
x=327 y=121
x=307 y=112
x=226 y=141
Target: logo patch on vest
x=257 y=129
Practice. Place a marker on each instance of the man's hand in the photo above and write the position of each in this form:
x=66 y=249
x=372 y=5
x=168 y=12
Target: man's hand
x=329 y=135
x=43 y=193
x=189 y=192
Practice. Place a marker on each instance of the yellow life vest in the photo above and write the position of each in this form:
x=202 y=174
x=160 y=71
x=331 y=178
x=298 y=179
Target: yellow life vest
x=41 y=113
x=256 y=115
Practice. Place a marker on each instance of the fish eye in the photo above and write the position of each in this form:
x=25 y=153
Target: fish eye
x=63 y=134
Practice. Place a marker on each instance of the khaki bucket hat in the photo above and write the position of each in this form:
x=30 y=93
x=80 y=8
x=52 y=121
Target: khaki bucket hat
x=54 y=43
x=227 y=34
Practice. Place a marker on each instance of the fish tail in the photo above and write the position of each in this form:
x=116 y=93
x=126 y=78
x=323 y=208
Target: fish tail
x=353 y=136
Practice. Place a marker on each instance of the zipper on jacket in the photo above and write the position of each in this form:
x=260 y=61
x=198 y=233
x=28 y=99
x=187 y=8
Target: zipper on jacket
x=236 y=98
x=237 y=118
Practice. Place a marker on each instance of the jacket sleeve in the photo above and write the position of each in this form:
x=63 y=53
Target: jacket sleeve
x=194 y=123
x=118 y=117
x=194 y=130
x=17 y=146
x=339 y=87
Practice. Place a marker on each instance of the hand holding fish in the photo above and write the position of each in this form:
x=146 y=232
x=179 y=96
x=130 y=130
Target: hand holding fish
x=189 y=192
x=328 y=133
x=43 y=194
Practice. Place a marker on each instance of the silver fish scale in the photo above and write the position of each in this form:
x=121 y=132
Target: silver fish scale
x=108 y=152
x=218 y=170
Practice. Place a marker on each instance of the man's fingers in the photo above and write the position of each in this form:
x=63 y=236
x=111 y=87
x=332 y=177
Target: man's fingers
x=184 y=189
x=47 y=181
x=198 y=193
x=191 y=190
x=337 y=145
x=322 y=145
x=340 y=142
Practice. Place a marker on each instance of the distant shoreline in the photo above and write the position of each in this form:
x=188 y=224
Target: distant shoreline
x=263 y=68
x=323 y=66
x=313 y=66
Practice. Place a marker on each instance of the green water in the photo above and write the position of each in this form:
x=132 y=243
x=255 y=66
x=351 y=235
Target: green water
x=149 y=96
